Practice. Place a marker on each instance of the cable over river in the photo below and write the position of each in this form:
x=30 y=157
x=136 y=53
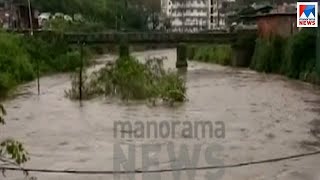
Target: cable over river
x=255 y=117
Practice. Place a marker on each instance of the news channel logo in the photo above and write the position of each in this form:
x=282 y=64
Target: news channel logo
x=307 y=14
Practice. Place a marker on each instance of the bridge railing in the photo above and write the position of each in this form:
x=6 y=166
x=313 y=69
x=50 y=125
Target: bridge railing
x=143 y=37
x=138 y=37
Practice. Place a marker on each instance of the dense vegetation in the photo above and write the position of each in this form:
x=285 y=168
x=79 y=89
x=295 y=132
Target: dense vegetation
x=294 y=57
x=106 y=14
x=20 y=57
x=129 y=79
x=220 y=54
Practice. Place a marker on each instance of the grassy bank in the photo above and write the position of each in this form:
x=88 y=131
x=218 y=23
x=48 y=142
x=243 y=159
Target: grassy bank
x=21 y=55
x=219 y=54
x=294 y=57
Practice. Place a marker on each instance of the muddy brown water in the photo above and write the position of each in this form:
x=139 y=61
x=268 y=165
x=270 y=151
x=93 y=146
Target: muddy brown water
x=265 y=116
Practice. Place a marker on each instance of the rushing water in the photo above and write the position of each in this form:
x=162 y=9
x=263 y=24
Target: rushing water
x=266 y=116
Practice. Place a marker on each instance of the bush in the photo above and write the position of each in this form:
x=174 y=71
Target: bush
x=7 y=81
x=172 y=88
x=15 y=66
x=19 y=56
x=268 y=55
x=90 y=88
x=294 y=57
x=300 y=54
x=262 y=55
x=132 y=80
x=220 y=54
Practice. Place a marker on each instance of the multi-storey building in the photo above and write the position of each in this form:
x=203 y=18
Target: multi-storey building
x=186 y=15
x=195 y=15
x=217 y=13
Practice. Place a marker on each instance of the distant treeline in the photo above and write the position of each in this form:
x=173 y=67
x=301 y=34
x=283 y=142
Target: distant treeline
x=113 y=14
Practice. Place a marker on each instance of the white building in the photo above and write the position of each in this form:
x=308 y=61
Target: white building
x=186 y=15
x=195 y=15
x=217 y=17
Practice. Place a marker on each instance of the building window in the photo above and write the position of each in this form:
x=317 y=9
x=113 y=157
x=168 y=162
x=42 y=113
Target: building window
x=211 y=10
x=211 y=19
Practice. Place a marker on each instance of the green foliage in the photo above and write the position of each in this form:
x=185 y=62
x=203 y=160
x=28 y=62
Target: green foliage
x=7 y=81
x=61 y=25
x=20 y=57
x=90 y=87
x=106 y=14
x=268 y=55
x=300 y=54
x=262 y=56
x=129 y=79
x=294 y=57
x=220 y=54
x=14 y=150
x=11 y=149
x=14 y=64
x=172 y=88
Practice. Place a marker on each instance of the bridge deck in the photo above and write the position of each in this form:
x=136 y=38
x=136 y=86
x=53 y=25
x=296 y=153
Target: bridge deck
x=143 y=37
x=111 y=38
x=140 y=37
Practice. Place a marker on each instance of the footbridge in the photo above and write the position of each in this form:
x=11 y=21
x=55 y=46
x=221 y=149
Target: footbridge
x=150 y=37
x=124 y=39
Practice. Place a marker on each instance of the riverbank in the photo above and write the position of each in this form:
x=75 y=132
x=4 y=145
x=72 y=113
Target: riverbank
x=22 y=58
x=294 y=57
x=218 y=54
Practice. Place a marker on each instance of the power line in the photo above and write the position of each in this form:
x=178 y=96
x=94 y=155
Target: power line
x=52 y=171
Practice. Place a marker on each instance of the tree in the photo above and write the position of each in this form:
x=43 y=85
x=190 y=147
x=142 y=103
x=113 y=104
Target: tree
x=128 y=14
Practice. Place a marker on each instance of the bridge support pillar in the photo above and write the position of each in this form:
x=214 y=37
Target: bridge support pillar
x=124 y=51
x=181 y=56
x=243 y=49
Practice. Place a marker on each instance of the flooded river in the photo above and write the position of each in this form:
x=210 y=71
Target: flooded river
x=265 y=116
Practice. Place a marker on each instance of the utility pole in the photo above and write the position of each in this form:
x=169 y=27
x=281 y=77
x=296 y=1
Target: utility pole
x=30 y=18
x=80 y=73
x=31 y=33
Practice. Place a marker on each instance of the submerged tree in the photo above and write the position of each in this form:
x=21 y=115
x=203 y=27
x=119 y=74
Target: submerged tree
x=12 y=152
